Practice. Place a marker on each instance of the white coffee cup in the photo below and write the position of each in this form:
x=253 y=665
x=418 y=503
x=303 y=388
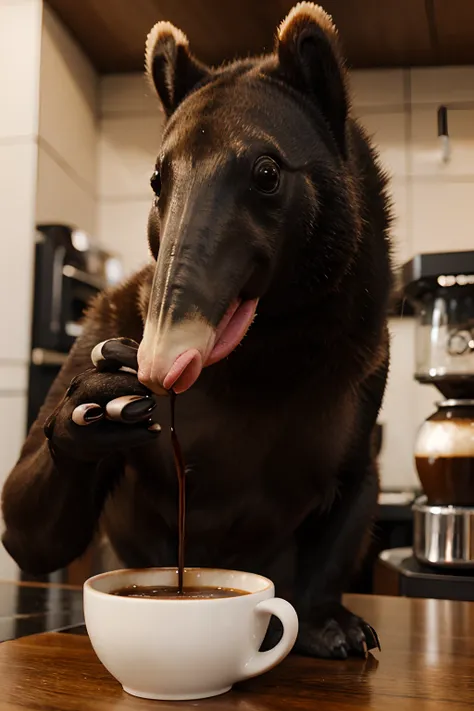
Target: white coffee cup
x=185 y=649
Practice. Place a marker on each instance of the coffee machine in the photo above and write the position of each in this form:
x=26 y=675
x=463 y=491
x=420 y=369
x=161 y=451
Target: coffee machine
x=439 y=288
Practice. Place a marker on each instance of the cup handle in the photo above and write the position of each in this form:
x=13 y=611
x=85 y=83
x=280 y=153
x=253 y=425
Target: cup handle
x=264 y=661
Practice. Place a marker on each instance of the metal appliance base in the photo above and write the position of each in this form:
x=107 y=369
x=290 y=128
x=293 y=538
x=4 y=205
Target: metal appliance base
x=397 y=572
x=443 y=535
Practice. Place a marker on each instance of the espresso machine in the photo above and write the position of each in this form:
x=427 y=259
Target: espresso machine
x=439 y=289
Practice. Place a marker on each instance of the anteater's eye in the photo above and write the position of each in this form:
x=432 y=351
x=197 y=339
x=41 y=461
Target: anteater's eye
x=155 y=182
x=266 y=174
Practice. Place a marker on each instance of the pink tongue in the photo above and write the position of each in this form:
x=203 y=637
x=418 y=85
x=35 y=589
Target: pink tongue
x=232 y=329
x=188 y=366
x=184 y=372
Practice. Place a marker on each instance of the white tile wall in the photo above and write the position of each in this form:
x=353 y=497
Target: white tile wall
x=68 y=100
x=60 y=196
x=50 y=176
x=17 y=217
x=20 y=39
x=434 y=85
x=426 y=153
x=128 y=147
x=406 y=405
x=68 y=130
x=396 y=465
x=13 y=405
x=378 y=89
x=12 y=430
x=13 y=377
x=401 y=226
x=12 y=433
x=389 y=133
x=131 y=127
x=443 y=216
x=19 y=56
x=127 y=94
x=433 y=203
x=122 y=226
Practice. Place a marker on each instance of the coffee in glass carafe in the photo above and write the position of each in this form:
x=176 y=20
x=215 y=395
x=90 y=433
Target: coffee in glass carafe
x=444 y=454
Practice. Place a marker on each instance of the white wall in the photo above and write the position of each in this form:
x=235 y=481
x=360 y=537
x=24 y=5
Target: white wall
x=433 y=201
x=48 y=163
x=131 y=128
x=433 y=205
x=20 y=33
x=68 y=131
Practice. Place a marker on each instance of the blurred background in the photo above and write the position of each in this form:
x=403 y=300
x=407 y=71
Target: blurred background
x=80 y=130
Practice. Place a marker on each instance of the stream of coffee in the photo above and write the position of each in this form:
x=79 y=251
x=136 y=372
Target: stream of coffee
x=180 y=472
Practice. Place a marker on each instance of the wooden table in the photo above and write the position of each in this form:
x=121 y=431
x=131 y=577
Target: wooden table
x=426 y=664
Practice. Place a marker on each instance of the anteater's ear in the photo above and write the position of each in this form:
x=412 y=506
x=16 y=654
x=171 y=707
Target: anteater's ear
x=310 y=60
x=169 y=65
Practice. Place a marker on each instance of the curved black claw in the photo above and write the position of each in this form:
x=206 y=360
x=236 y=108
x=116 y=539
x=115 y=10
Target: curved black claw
x=116 y=354
x=371 y=637
x=130 y=409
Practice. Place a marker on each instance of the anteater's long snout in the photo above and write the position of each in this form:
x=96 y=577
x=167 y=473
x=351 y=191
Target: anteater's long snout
x=197 y=312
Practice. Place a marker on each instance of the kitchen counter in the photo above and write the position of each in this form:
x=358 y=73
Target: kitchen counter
x=427 y=662
x=29 y=608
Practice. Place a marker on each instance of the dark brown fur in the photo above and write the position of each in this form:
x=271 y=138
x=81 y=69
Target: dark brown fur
x=277 y=438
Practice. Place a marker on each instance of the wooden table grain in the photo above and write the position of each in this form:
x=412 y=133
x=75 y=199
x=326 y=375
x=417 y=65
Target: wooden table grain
x=426 y=664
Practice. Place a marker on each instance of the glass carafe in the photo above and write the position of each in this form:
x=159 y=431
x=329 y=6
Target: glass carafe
x=444 y=454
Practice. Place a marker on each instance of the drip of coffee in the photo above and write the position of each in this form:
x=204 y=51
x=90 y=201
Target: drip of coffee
x=173 y=593
x=444 y=459
x=180 y=472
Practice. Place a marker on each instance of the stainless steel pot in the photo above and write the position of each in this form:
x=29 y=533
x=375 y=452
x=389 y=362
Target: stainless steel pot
x=443 y=535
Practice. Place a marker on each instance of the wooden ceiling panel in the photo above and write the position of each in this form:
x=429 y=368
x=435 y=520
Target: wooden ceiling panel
x=384 y=33
x=375 y=33
x=454 y=23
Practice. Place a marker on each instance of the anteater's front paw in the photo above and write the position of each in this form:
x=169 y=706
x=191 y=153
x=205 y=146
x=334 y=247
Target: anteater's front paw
x=105 y=409
x=333 y=632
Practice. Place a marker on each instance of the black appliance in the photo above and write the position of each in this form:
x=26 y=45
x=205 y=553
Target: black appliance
x=440 y=288
x=399 y=573
x=69 y=271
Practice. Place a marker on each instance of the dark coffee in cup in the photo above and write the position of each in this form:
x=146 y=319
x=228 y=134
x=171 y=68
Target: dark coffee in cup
x=444 y=456
x=174 y=593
